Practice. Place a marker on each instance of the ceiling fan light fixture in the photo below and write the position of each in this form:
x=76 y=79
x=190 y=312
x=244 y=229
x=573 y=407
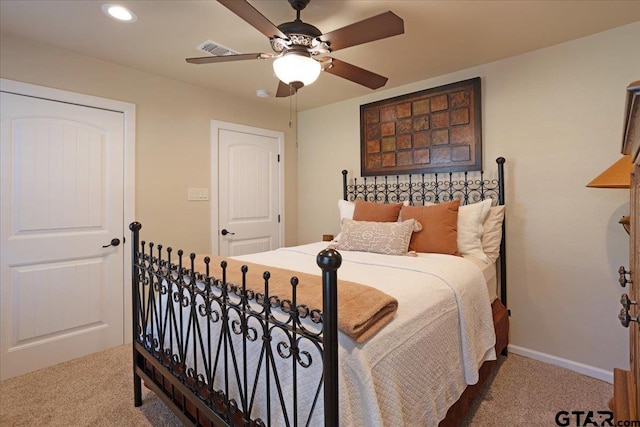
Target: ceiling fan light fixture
x=297 y=67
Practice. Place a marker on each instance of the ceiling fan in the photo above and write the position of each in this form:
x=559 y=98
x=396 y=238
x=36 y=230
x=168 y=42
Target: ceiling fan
x=301 y=51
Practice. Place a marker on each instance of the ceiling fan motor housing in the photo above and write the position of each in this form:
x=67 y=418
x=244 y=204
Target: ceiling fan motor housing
x=298 y=33
x=299 y=27
x=299 y=4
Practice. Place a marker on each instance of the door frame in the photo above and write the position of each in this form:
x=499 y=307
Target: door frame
x=129 y=112
x=216 y=126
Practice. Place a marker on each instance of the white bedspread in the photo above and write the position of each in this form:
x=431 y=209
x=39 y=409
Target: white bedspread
x=417 y=366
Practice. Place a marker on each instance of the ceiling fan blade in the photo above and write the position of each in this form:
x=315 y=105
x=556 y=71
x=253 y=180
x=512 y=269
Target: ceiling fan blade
x=284 y=90
x=254 y=18
x=356 y=74
x=375 y=28
x=226 y=58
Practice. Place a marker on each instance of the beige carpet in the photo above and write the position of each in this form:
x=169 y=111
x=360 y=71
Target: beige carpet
x=96 y=390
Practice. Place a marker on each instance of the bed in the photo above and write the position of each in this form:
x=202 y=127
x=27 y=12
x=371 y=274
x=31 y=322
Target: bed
x=363 y=330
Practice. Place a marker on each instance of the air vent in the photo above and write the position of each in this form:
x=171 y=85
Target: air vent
x=216 y=49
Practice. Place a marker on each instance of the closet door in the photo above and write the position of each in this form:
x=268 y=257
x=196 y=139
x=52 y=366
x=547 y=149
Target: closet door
x=62 y=257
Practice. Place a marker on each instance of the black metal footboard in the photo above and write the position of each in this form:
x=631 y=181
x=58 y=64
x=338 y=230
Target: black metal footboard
x=222 y=354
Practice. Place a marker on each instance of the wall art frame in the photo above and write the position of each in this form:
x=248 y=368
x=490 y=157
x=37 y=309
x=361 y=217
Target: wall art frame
x=433 y=130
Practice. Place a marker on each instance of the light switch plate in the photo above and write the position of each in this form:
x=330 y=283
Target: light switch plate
x=197 y=194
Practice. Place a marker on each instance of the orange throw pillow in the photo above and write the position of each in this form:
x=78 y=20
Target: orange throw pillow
x=376 y=212
x=439 y=232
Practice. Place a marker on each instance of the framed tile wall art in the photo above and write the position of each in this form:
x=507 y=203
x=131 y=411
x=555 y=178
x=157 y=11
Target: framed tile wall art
x=433 y=130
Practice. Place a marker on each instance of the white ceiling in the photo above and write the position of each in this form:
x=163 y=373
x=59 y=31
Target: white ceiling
x=440 y=37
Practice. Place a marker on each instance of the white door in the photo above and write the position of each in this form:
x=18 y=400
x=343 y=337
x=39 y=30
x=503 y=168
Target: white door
x=249 y=184
x=62 y=202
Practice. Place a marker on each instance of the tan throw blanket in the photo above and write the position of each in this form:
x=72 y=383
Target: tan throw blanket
x=362 y=310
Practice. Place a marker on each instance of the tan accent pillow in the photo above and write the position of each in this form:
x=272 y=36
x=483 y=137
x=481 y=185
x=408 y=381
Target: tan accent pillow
x=439 y=232
x=492 y=236
x=390 y=238
x=376 y=212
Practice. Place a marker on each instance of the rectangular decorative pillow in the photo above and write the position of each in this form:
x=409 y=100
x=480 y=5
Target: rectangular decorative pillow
x=391 y=238
x=346 y=208
x=439 y=232
x=470 y=229
x=376 y=212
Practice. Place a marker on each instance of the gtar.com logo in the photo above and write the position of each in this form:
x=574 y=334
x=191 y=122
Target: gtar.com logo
x=591 y=418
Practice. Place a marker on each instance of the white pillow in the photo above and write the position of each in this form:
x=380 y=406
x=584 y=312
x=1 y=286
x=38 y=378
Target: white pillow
x=492 y=236
x=346 y=209
x=470 y=228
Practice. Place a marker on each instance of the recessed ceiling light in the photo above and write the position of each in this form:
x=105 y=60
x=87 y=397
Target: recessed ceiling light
x=118 y=12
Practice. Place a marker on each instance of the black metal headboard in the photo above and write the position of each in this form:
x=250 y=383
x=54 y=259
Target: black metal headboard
x=469 y=187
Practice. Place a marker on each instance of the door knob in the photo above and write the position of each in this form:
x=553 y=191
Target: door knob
x=224 y=232
x=114 y=242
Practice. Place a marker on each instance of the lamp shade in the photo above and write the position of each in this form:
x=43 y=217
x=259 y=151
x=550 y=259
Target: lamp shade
x=296 y=67
x=618 y=175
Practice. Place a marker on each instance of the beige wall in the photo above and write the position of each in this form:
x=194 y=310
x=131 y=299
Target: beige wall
x=556 y=115
x=172 y=134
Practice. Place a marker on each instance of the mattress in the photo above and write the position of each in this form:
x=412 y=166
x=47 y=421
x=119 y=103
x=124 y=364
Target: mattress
x=489 y=272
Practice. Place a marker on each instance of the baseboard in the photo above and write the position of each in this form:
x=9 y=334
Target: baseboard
x=581 y=368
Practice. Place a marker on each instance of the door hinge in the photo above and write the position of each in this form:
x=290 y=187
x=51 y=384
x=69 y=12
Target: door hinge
x=278 y=158
x=278 y=217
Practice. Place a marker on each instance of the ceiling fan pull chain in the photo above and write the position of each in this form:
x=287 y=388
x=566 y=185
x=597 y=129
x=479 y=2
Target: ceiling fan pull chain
x=296 y=119
x=290 y=109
